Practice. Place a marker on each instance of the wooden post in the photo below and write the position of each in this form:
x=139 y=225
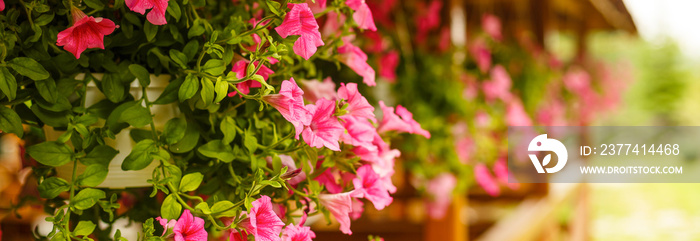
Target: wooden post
x=451 y=227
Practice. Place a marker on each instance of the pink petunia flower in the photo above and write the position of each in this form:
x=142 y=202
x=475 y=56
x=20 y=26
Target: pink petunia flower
x=358 y=207
x=262 y=221
x=499 y=85
x=291 y=167
x=166 y=224
x=516 y=114
x=464 y=146
x=440 y=191
x=492 y=26
x=408 y=118
x=189 y=228
x=500 y=168
x=358 y=106
x=481 y=54
x=156 y=16
x=382 y=10
x=301 y=21
x=369 y=185
x=324 y=128
x=358 y=131
x=428 y=19
x=486 y=180
x=388 y=64
x=2 y=7
x=314 y=90
x=340 y=206
x=329 y=180
x=356 y=59
x=317 y=6
x=86 y=32
x=241 y=68
x=290 y=103
x=363 y=15
x=297 y=233
x=390 y=121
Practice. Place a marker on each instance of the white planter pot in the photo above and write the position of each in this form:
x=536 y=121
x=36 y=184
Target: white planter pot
x=117 y=178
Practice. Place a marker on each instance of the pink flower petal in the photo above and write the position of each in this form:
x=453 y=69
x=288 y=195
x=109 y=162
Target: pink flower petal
x=301 y=21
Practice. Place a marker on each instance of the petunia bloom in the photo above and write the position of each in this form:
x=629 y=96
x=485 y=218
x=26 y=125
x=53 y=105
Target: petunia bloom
x=358 y=106
x=358 y=131
x=407 y=116
x=2 y=7
x=189 y=228
x=314 y=90
x=387 y=68
x=86 y=32
x=324 y=128
x=500 y=168
x=301 y=21
x=499 y=85
x=291 y=167
x=401 y=121
x=486 y=180
x=362 y=16
x=262 y=221
x=241 y=68
x=516 y=115
x=290 y=103
x=481 y=54
x=369 y=185
x=297 y=233
x=157 y=14
x=440 y=190
x=340 y=206
x=356 y=59
x=166 y=224
x=492 y=26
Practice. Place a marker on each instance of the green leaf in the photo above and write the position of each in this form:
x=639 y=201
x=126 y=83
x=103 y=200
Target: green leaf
x=52 y=187
x=207 y=92
x=10 y=121
x=150 y=30
x=51 y=153
x=191 y=182
x=140 y=156
x=189 y=88
x=189 y=141
x=191 y=49
x=228 y=127
x=29 y=67
x=84 y=228
x=47 y=89
x=94 y=175
x=54 y=119
x=214 y=66
x=221 y=89
x=274 y=7
x=174 y=10
x=179 y=58
x=203 y=207
x=174 y=130
x=250 y=141
x=171 y=208
x=224 y=209
x=196 y=29
x=94 y=4
x=101 y=155
x=170 y=92
x=44 y=19
x=87 y=198
x=113 y=88
x=8 y=83
x=137 y=116
x=217 y=149
x=141 y=74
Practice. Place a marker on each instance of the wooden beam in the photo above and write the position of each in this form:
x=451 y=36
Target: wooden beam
x=452 y=227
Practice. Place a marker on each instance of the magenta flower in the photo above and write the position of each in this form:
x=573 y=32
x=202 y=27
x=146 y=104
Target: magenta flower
x=325 y=129
x=369 y=185
x=297 y=233
x=356 y=59
x=314 y=90
x=189 y=228
x=166 y=224
x=300 y=21
x=390 y=121
x=358 y=131
x=291 y=167
x=358 y=207
x=362 y=16
x=86 y=32
x=485 y=180
x=500 y=168
x=262 y=221
x=408 y=118
x=2 y=7
x=440 y=190
x=328 y=179
x=240 y=68
x=358 y=106
x=492 y=26
x=464 y=146
x=499 y=86
x=156 y=16
x=516 y=115
x=428 y=19
x=290 y=103
x=340 y=206
x=481 y=54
